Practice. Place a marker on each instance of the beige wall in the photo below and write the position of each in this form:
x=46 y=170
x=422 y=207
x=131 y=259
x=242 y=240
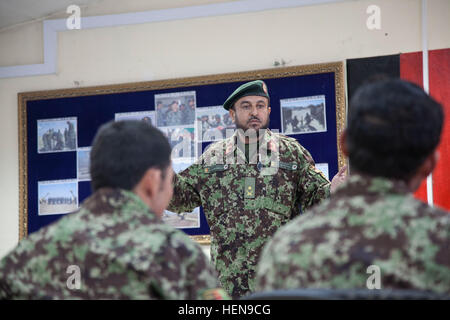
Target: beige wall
x=203 y=46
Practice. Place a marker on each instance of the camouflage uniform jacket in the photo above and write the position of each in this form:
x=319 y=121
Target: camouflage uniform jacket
x=174 y=118
x=122 y=250
x=367 y=221
x=243 y=206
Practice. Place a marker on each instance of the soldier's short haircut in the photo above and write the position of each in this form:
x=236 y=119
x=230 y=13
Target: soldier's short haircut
x=393 y=125
x=123 y=151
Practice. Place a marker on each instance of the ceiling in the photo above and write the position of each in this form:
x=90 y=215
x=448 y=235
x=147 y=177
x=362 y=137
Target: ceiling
x=18 y=12
x=14 y=12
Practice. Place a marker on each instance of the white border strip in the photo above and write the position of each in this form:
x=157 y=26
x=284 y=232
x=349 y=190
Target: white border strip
x=426 y=87
x=52 y=27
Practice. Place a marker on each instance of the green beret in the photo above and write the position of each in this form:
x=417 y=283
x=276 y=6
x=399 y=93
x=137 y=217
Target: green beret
x=253 y=88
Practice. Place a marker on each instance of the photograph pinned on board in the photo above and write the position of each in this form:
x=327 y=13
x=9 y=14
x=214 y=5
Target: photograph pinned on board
x=175 y=109
x=212 y=123
x=182 y=141
x=57 y=196
x=323 y=167
x=147 y=116
x=57 y=135
x=184 y=220
x=83 y=163
x=303 y=115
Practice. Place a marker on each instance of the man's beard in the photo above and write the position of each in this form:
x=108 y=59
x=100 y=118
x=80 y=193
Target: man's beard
x=245 y=127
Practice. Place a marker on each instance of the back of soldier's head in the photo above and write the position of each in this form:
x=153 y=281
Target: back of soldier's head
x=393 y=125
x=123 y=151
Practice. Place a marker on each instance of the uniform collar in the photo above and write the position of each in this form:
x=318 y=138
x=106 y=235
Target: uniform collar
x=363 y=184
x=117 y=202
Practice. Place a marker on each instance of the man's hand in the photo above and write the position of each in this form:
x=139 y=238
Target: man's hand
x=339 y=178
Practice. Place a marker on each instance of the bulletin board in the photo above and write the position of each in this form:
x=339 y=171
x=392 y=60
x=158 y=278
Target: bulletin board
x=57 y=127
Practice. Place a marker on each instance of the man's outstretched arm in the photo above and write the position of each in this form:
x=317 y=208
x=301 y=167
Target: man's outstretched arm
x=186 y=196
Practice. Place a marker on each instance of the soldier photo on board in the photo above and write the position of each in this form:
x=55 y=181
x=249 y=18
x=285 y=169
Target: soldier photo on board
x=181 y=140
x=175 y=109
x=57 y=135
x=83 y=163
x=147 y=116
x=212 y=123
x=57 y=197
x=303 y=115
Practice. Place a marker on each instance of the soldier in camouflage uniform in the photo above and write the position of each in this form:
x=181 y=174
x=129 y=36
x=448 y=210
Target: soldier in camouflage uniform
x=190 y=117
x=246 y=197
x=372 y=219
x=174 y=115
x=71 y=134
x=121 y=249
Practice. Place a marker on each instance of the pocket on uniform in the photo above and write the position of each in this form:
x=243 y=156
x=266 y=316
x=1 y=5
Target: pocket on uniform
x=277 y=208
x=270 y=205
x=213 y=197
x=278 y=213
x=287 y=184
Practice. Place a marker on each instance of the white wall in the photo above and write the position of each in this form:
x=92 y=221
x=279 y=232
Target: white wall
x=202 y=46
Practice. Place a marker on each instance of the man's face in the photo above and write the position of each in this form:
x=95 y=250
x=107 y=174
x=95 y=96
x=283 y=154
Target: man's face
x=251 y=112
x=174 y=107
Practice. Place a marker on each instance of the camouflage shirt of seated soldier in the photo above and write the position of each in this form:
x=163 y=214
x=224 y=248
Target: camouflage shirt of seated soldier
x=372 y=233
x=115 y=246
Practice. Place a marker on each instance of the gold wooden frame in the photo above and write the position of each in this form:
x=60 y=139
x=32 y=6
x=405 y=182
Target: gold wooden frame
x=24 y=97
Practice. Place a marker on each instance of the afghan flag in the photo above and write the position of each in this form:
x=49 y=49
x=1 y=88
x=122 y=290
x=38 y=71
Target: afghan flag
x=408 y=66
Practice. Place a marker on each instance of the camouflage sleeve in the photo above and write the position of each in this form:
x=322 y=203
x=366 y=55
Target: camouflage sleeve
x=186 y=193
x=5 y=290
x=203 y=283
x=313 y=185
x=13 y=283
x=186 y=272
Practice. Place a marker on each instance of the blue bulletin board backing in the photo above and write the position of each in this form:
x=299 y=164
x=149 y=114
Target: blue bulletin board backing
x=42 y=114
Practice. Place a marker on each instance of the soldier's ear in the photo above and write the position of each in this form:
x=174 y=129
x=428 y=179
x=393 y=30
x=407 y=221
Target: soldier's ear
x=424 y=170
x=232 y=114
x=429 y=164
x=144 y=189
x=149 y=185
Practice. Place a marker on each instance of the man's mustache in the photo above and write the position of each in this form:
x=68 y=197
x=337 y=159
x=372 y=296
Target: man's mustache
x=253 y=118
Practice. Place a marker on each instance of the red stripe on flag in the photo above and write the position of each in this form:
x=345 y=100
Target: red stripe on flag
x=439 y=77
x=411 y=70
x=439 y=61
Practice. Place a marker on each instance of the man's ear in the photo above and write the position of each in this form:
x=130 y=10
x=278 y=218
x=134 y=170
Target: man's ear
x=343 y=142
x=150 y=182
x=232 y=114
x=429 y=164
x=424 y=170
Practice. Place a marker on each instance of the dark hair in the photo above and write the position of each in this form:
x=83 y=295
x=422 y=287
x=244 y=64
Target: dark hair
x=393 y=125
x=123 y=151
